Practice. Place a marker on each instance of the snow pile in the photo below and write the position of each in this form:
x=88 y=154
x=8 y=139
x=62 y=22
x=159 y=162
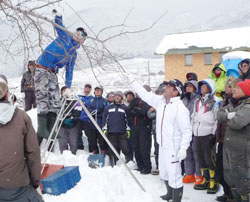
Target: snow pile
x=218 y=39
x=236 y=55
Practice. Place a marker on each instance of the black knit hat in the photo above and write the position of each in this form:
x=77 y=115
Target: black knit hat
x=80 y=29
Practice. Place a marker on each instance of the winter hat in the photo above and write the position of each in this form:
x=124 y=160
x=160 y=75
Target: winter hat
x=191 y=76
x=231 y=81
x=177 y=84
x=119 y=93
x=245 y=86
x=83 y=33
x=99 y=87
x=31 y=62
x=129 y=92
x=3 y=85
x=192 y=82
x=147 y=88
x=112 y=94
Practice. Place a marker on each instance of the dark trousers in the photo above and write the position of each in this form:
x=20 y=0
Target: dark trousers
x=68 y=138
x=141 y=143
x=156 y=152
x=219 y=170
x=205 y=152
x=22 y=194
x=119 y=141
x=96 y=137
x=30 y=100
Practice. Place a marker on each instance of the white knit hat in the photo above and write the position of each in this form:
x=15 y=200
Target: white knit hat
x=3 y=85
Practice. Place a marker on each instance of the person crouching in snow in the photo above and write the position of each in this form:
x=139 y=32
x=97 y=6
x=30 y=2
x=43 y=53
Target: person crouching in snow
x=192 y=167
x=60 y=53
x=204 y=127
x=68 y=133
x=236 y=150
x=173 y=131
x=115 y=126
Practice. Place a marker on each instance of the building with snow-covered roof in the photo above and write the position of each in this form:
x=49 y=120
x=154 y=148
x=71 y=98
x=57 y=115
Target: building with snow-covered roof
x=199 y=51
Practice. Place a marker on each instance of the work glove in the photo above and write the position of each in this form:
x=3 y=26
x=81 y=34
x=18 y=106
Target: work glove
x=128 y=134
x=105 y=131
x=55 y=12
x=230 y=115
x=182 y=154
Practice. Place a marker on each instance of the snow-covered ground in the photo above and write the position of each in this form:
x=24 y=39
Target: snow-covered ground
x=109 y=184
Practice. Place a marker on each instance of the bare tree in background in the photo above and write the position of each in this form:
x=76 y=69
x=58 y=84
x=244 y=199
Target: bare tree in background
x=29 y=22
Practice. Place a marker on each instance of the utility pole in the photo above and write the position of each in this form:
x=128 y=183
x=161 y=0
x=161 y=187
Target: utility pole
x=148 y=74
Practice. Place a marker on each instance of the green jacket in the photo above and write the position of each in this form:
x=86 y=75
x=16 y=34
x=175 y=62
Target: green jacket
x=236 y=145
x=219 y=82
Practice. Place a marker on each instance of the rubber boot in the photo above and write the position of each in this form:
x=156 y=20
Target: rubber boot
x=169 y=193
x=236 y=195
x=245 y=198
x=213 y=183
x=205 y=184
x=177 y=194
x=112 y=160
x=42 y=122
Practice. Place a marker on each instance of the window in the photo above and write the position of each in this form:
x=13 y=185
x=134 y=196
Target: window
x=221 y=56
x=189 y=60
x=208 y=58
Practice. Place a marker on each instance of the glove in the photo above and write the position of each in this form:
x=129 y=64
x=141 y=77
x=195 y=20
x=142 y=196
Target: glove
x=212 y=140
x=56 y=13
x=105 y=131
x=128 y=133
x=182 y=154
x=230 y=115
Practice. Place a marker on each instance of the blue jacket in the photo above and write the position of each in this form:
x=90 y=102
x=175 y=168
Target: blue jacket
x=97 y=106
x=61 y=52
x=115 y=118
x=85 y=99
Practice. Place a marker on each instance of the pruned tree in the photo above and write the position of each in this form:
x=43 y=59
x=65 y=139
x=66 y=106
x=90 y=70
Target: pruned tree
x=28 y=24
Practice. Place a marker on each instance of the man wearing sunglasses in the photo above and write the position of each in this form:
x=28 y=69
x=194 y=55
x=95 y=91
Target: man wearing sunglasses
x=58 y=54
x=173 y=133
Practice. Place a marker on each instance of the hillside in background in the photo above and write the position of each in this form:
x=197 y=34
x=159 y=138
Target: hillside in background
x=181 y=16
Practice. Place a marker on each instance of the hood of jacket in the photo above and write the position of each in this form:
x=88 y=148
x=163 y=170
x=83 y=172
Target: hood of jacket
x=7 y=111
x=223 y=71
x=247 y=74
x=210 y=83
x=193 y=82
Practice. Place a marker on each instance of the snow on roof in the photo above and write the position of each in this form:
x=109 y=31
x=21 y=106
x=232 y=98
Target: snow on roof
x=217 y=39
x=236 y=55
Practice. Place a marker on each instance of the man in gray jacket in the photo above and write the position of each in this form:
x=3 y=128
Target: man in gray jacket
x=236 y=149
x=19 y=152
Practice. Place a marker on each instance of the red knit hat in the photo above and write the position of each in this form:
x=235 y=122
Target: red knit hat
x=245 y=86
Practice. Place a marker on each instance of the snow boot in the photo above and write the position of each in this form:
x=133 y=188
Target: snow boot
x=224 y=198
x=188 y=179
x=112 y=160
x=205 y=183
x=168 y=195
x=42 y=122
x=177 y=194
x=213 y=183
x=236 y=195
x=155 y=172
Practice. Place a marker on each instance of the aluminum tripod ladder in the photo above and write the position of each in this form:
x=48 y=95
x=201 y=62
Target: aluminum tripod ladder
x=61 y=116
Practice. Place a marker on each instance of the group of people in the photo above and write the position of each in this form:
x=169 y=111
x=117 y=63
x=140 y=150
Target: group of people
x=200 y=128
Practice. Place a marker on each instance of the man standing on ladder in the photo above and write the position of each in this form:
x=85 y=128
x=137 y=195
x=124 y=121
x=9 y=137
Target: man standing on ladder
x=173 y=131
x=61 y=52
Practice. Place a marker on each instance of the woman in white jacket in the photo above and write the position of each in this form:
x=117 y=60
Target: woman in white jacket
x=173 y=131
